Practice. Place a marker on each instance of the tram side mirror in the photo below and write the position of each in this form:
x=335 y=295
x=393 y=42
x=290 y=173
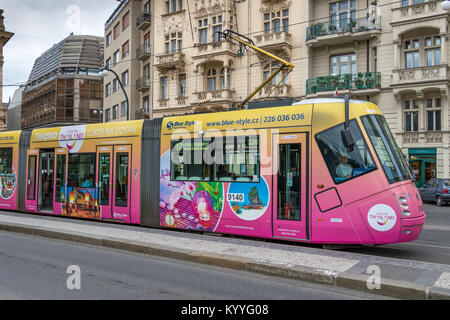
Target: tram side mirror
x=347 y=140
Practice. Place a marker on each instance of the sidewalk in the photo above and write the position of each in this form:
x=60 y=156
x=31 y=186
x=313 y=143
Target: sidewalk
x=399 y=278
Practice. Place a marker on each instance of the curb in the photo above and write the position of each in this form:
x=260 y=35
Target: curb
x=358 y=282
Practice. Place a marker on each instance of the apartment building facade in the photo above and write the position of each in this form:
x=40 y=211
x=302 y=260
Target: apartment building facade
x=196 y=70
x=127 y=54
x=393 y=53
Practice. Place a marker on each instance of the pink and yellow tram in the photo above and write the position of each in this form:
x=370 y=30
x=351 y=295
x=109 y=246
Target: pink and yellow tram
x=319 y=171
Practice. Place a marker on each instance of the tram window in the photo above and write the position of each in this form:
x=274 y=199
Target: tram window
x=240 y=160
x=121 y=198
x=342 y=164
x=81 y=170
x=6 y=155
x=60 y=178
x=390 y=155
x=31 y=178
x=234 y=159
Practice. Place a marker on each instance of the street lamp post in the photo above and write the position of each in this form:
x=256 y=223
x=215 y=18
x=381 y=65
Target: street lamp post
x=445 y=5
x=100 y=114
x=103 y=72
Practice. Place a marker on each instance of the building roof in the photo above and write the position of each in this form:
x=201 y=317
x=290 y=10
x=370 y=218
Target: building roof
x=70 y=56
x=116 y=12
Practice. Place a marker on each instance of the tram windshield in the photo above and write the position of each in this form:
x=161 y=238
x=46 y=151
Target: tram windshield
x=342 y=163
x=389 y=153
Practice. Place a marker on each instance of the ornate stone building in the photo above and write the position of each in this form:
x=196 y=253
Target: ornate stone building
x=4 y=38
x=393 y=53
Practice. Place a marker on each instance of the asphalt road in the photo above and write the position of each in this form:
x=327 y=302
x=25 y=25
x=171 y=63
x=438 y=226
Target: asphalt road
x=433 y=244
x=37 y=268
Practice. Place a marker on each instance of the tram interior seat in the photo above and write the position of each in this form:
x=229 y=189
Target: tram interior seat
x=243 y=179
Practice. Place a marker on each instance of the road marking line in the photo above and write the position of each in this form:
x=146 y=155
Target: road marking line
x=440 y=228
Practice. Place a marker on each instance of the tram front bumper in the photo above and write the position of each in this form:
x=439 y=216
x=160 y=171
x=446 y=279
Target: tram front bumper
x=411 y=228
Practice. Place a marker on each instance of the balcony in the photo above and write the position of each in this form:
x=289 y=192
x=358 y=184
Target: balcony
x=170 y=60
x=419 y=11
x=369 y=81
x=143 y=21
x=143 y=52
x=207 y=50
x=208 y=97
x=143 y=84
x=280 y=92
x=338 y=31
x=420 y=75
x=426 y=137
x=274 y=40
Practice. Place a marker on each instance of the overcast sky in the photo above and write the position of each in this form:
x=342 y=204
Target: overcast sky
x=38 y=24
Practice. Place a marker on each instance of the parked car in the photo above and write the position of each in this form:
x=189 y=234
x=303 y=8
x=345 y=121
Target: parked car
x=436 y=190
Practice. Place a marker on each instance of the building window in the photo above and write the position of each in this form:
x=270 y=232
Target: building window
x=375 y=59
x=125 y=49
x=433 y=51
x=164 y=88
x=173 y=42
x=422 y=51
x=146 y=71
x=276 y=21
x=125 y=78
x=269 y=69
x=203 y=31
x=147 y=42
x=116 y=31
x=115 y=85
x=224 y=79
x=115 y=112
x=167 y=4
x=124 y=109
x=108 y=39
x=433 y=110
x=107 y=115
x=411 y=115
x=343 y=64
x=406 y=3
x=146 y=103
x=126 y=21
x=108 y=63
x=108 y=90
x=342 y=13
x=211 y=79
x=217 y=28
x=147 y=7
x=182 y=86
x=116 y=57
x=173 y=5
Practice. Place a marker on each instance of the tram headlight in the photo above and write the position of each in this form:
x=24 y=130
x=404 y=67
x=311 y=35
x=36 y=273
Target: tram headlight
x=406 y=213
x=402 y=199
x=404 y=206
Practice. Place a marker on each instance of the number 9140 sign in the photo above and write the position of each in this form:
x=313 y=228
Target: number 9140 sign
x=236 y=197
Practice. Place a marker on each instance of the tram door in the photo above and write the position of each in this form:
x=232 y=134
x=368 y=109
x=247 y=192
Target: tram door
x=113 y=182
x=290 y=189
x=31 y=190
x=46 y=180
x=60 y=182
